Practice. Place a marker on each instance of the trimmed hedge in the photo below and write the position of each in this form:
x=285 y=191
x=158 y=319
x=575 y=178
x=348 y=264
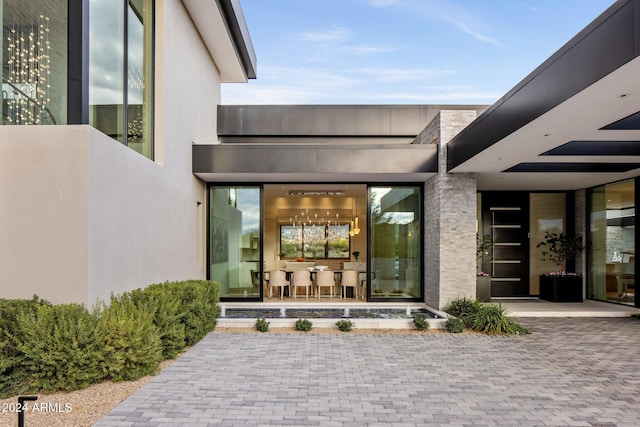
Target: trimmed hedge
x=13 y=376
x=59 y=347
x=129 y=340
x=45 y=348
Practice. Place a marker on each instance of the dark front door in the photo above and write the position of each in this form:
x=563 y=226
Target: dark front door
x=506 y=216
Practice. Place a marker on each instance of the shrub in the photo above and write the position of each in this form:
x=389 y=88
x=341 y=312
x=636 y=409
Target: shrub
x=167 y=318
x=184 y=312
x=66 y=347
x=454 y=325
x=59 y=347
x=420 y=322
x=262 y=325
x=492 y=319
x=129 y=339
x=517 y=329
x=344 y=325
x=488 y=318
x=463 y=308
x=303 y=325
x=13 y=375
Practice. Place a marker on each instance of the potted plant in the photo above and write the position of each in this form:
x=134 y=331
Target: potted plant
x=561 y=286
x=484 y=244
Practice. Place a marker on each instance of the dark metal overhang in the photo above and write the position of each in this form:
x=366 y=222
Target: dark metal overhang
x=314 y=163
x=585 y=97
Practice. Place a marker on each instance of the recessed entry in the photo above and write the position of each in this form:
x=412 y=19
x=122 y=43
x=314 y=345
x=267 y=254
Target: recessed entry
x=573 y=167
x=631 y=122
x=596 y=148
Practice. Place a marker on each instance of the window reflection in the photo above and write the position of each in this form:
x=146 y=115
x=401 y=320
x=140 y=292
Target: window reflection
x=234 y=241
x=33 y=50
x=612 y=243
x=121 y=71
x=395 y=242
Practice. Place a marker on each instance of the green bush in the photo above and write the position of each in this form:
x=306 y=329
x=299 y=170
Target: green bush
x=128 y=338
x=262 y=325
x=454 y=325
x=167 y=318
x=303 y=325
x=13 y=375
x=517 y=329
x=59 y=347
x=420 y=322
x=66 y=347
x=492 y=319
x=345 y=325
x=464 y=309
x=198 y=300
x=481 y=317
x=184 y=312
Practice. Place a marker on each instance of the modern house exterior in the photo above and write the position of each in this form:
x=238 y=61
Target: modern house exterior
x=135 y=174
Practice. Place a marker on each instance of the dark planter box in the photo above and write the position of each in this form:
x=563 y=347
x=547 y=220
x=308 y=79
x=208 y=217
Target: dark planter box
x=483 y=288
x=561 y=288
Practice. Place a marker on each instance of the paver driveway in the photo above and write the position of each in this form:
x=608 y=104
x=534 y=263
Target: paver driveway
x=578 y=372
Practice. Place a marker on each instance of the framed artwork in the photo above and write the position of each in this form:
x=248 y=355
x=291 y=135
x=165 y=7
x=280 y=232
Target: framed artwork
x=219 y=240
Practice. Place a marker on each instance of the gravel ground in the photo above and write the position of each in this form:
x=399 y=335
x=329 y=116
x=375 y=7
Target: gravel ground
x=82 y=408
x=78 y=408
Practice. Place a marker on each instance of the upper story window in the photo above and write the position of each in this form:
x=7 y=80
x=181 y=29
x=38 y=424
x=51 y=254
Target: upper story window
x=121 y=71
x=36 y=81
x=34 y=62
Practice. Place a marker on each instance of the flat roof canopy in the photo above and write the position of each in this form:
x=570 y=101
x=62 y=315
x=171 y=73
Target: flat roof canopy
x=314 y=163
x=572 y=123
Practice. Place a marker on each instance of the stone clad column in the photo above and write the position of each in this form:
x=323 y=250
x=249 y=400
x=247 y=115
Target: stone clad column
x=450 y=218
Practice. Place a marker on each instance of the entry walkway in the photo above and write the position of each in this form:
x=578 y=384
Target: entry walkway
x=588 y=308
x=569 y=372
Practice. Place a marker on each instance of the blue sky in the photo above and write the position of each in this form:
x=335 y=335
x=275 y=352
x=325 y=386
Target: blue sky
x=401 y=51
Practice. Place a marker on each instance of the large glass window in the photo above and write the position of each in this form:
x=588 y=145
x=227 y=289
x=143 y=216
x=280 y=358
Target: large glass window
x=121 y=71
x=34 y=62
x=611 y=250
x=396 y=242
x=235 y=241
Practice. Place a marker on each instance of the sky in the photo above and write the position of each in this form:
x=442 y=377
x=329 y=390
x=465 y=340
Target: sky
x=401 y=51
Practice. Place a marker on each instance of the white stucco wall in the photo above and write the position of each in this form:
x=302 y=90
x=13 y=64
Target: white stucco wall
x=43 y=212
x=157 y=209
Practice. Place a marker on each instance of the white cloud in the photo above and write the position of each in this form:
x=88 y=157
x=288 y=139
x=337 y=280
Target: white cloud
x=456 y=14
x=401 y=74
x=306 y=85
x=383 y=3
x=464 y=27
x=371 y=49
x=333 y=35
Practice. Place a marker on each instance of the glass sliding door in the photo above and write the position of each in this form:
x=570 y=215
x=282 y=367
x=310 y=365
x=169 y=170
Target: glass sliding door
x=611 y=250
x=235 y=237
x=395 y=243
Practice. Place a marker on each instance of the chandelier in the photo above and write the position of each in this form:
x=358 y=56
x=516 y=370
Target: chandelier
x=26 y=87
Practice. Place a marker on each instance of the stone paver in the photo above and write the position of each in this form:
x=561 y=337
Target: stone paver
x=569 y=372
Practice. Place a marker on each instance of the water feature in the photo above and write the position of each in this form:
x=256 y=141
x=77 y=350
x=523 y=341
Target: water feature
x=327 y=313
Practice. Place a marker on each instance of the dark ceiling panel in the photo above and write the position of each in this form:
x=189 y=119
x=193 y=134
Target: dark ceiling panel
x=628 y=123
x=573 y=167
x=596 y=148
